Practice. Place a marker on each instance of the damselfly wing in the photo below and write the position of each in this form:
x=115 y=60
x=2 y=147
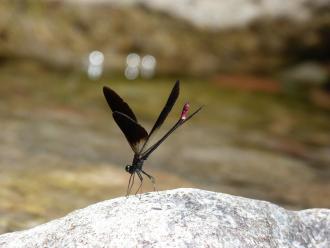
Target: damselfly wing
x=137 y=137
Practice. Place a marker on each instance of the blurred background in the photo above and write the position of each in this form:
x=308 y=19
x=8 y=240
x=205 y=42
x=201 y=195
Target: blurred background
x=260 y=68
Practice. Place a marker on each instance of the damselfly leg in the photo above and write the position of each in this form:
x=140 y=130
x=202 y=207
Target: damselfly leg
x=130 y=184
x=141 y=182
x=151 y=178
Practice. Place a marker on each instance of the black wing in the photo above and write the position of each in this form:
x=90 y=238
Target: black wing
x=135 y=134
x=166 y=110
x=116 y=103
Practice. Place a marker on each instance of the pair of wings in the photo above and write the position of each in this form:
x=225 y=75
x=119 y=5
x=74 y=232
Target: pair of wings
x=125 y=118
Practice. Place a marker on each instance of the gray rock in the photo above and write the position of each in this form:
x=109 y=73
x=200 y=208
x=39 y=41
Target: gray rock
x=180 y=218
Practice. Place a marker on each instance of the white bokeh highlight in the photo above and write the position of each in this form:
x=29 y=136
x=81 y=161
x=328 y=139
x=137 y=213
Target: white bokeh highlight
x=136 y=66
x=95 y=65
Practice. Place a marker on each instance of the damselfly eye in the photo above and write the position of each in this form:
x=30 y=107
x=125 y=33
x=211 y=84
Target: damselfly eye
x=127 y=168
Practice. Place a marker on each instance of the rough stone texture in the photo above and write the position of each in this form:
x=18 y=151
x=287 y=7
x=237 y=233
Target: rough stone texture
x=180 y=218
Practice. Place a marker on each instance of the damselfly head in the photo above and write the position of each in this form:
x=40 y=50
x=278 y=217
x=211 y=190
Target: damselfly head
x=129 y=168
x=185 y=111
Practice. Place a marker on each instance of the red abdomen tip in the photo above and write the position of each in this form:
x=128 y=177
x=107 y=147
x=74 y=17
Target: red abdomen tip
x=185 y=111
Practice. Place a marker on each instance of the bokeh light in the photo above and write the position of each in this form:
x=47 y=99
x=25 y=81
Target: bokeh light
x=148 y=66
x=136 y=66
x=95 y=65
x=131 y=73
x=133 y=60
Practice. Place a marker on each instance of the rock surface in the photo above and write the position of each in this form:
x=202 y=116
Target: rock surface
x=180 y=218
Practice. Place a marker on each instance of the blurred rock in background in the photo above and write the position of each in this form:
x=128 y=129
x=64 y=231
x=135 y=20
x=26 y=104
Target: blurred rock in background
x=196 y=37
